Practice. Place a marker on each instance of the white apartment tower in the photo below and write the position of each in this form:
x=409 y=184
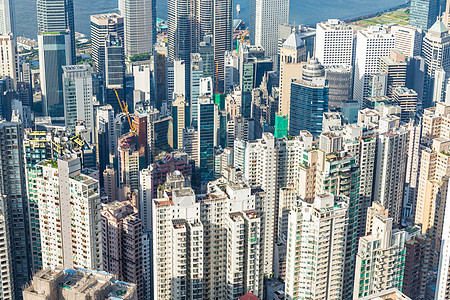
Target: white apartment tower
x=390 y=170
x=334 y=43
x=192 y=257
x=316 y=249
x=265 y=18
x=8 y=60
x=408 y=39
x=139 y=25
x=260 y=169
x=372 y=43
x=6 y=17
x=78 y=98
x=380 y=259
x=69 y=205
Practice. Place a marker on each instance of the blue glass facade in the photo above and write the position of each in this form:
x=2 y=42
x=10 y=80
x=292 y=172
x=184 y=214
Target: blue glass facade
x=424 y=13
x=308 y=103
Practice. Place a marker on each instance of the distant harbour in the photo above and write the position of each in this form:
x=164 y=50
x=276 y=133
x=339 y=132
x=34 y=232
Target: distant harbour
x=308 y=13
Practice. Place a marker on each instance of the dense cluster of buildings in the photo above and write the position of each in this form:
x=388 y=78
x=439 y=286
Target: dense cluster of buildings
x=296 y=163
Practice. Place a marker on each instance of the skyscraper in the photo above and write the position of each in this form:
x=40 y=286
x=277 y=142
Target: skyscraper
x=78 y=103
x=139 y=18
x=222 y=37
x=309 y=100
x=265 y=18
x=390 y=168
x=57 y=16
x=372 y=43
x=380 y=259
x=323 y=223
x=7 y=280
x=408 y=39
x=424 y=13
x=122 y=242
x=70 y=214
x=334 y=43
x=197 y=71
x=207 y=134
x=181 y=39
x=54 y=52
x=180 y=115
x=436 y=52
x=7 y=17
x=292 y=54
x=101 y=26
x=114 y=70
x=13 y=185
x=8 y=61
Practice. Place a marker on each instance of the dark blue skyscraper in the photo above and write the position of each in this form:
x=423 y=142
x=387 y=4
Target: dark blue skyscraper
x=207 y=134
x=424 y=13
x=309 y=100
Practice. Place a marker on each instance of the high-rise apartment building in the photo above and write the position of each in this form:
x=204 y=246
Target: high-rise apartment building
x=7 y=17
x=78 y=102
x=408 y=39
x=390 y=168
x=139 y=19
x=334 y=43
x=101 y=26
x=192 y=258
x=424 y=13
x=316 y=237
x=122 y=242
x=380 y=262
x=13 y=185
x=57 y=16
x=417 y=263
x=8 y=289
x=265 y=18
x=54 y=53
x=436 y=53
x=69 y=217
x=372 y=43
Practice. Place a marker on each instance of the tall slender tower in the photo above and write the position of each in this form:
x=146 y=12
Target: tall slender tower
x=101 y=26
x=6 y=17
x=265 y=18
x=435 y=51
x=139 y=24
x=13 y=185
x=57 y=16
x=223 y=37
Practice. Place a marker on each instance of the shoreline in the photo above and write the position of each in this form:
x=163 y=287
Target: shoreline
x=372 y=15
